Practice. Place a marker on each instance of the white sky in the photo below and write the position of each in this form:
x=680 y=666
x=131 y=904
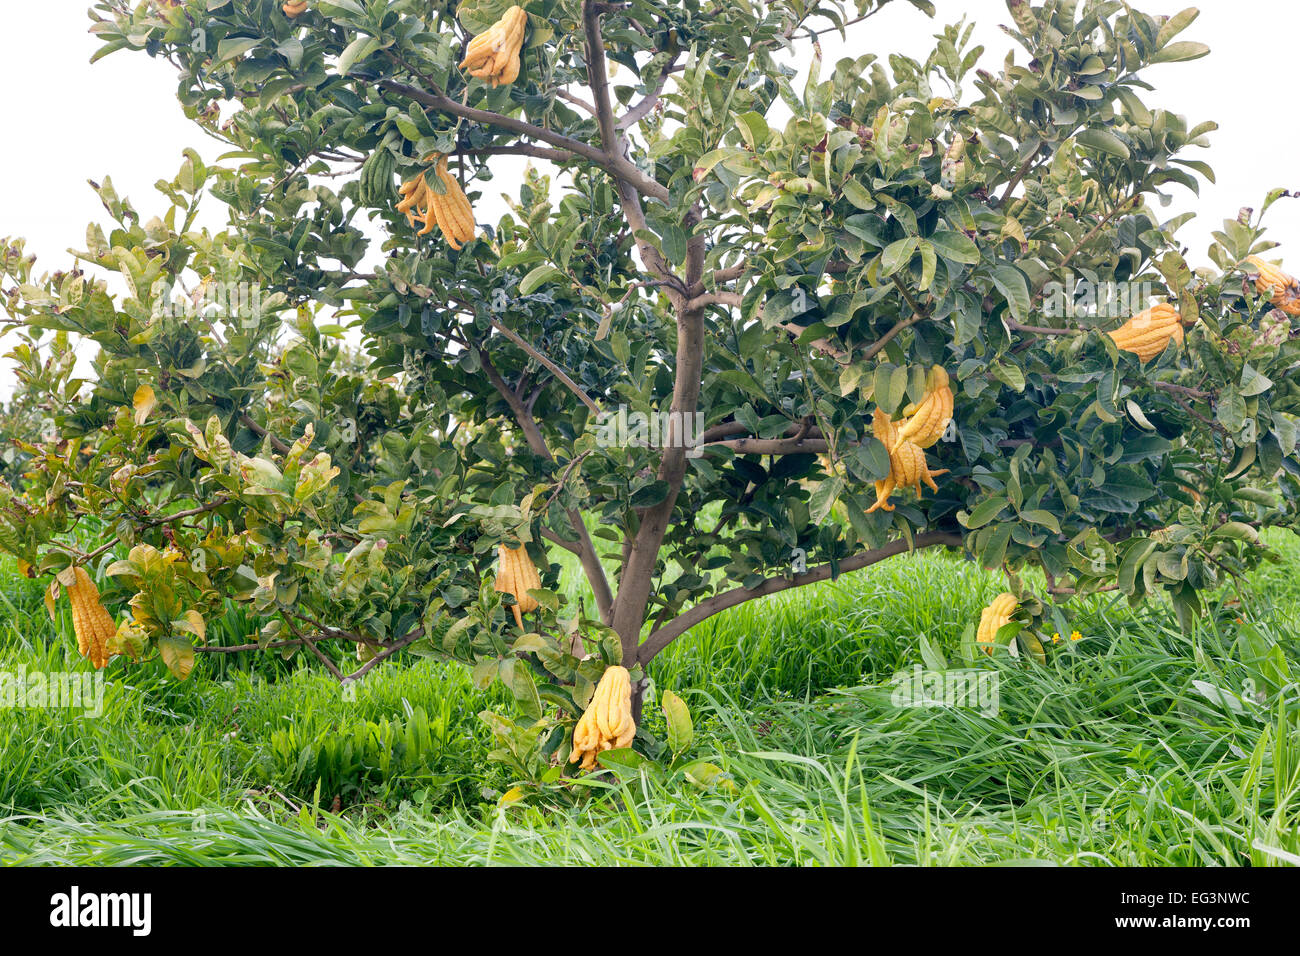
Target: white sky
x=66 y=121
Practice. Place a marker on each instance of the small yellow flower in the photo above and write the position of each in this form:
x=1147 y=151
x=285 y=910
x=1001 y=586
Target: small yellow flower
x=1056 y=638
x=1076 y=636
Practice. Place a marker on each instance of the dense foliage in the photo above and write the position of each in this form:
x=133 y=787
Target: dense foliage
x=697 y=236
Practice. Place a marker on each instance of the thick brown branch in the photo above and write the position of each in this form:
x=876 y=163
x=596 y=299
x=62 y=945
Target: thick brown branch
x=523 y=149
x=665 y=635
x=774 y=446
x=597 y=77
x=638 y=571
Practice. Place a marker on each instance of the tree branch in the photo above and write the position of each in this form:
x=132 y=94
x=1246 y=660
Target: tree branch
x=665 y=635
x=1042 y=329
x=564 y=543
x=597 y=77
x=638 y=570
x=629 y=196
x=591 y=565
x=383 y=655
x=555 y=370
x=248 y=422
x=641 y=110
x=523 y=149
x=620 y=167
x=773 y=446
x=577 y=101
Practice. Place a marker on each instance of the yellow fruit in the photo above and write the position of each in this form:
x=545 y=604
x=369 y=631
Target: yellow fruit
x=294 y=8
x=516 y=575
x=93 y=625
x=451 y=212
x=493 y=56
x=607 y=722
x=1148 y=333
x=995 y=617
x=929 y=420
x=1283 y=289
x=907 y=465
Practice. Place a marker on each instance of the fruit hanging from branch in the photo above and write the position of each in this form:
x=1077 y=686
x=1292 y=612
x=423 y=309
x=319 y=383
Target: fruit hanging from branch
x=607 y=722
x=994 y=617
x=493 y=56
x=929 y=420
x=450 y=210
x=907 y=465
x=1149 y=333
x=1282 y=289
x=92 y=624
x=516 y=575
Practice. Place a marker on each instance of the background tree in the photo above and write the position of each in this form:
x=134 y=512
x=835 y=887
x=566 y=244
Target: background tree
x=792 y=264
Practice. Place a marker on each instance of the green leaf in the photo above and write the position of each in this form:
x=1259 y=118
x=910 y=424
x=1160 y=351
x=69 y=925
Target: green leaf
x=538 y=278
x=234 y=47
x=824 y=498
x=897 y=255
x=355 y=52
x=1098 y=137
x=858 y=194
x=524 y=689
x=1010 y=281
x=650 y=495
x=623 y=758
x=753 y=129
x=1180 y=52
x=681 y=731
x=985 y=512
x=1237 y=531
x=1136 y=556
x=1044 y=518
x=1176 y=25
x=955 y=247
x=708 y=776
x=178 y=655
x=932 y=656
x=1253 y=382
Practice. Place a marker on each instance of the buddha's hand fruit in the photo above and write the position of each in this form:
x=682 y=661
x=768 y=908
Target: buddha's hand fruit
x=1283 y=290
x=931 y=417
x=907 y=465
x=493 y=56
x=450 y=211
x=887 y=434
x=1148 y=333
x=92 y=624
x=607 y=722
x=516 y=575
x=294 y=8
x=995 y=617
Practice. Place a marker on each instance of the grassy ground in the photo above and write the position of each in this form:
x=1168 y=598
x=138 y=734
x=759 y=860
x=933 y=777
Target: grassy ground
x=1123 y=749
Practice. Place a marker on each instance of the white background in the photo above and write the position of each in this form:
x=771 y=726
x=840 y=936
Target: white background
x=66 y=121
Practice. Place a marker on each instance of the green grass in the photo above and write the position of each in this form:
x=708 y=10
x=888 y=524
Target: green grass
x=1118 y=751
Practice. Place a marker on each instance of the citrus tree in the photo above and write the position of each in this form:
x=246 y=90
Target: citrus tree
x=737 y=331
